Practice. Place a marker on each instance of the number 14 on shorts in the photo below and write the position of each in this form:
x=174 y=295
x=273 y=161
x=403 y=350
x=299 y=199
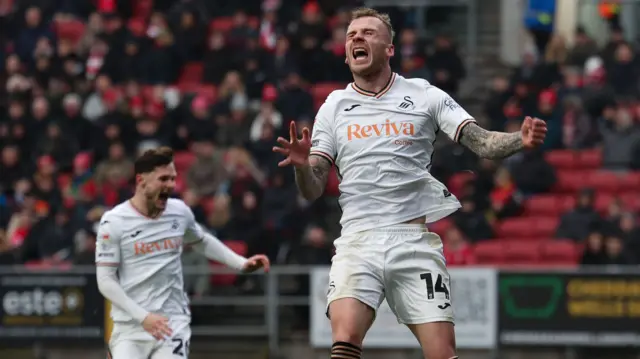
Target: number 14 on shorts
x=439 y=287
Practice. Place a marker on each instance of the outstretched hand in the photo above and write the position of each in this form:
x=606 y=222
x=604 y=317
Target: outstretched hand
x=534 y=130
x=256 y=262
x=296 y=150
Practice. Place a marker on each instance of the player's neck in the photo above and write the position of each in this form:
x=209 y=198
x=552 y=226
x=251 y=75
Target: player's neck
x=374 y=83
x=141 y=205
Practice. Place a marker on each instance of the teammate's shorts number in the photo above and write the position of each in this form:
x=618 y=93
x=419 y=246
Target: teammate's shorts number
x=440 y=287
x=180 y=347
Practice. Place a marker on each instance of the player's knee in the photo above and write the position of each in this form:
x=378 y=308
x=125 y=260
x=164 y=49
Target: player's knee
x=345 y=350
x=348 y=331
x=347 y=337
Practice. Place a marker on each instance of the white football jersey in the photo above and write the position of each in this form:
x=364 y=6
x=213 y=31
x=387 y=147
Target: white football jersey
x=147 y=253
x=382 y=146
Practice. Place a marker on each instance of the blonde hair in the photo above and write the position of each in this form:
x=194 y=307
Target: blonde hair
x=369 y=12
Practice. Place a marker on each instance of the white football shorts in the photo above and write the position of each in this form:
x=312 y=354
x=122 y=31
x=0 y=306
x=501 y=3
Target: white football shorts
x=404 y=263
x=131 y=341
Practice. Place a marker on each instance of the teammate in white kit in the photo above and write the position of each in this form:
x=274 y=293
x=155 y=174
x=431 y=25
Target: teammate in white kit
x=379 y=132
x=138 y=249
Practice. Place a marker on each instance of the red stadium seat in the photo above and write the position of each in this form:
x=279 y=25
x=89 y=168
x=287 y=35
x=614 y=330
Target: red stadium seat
x=515 y=228
x=590 y=159
x=549 y=204
x=567 y=203
x=183 y=160
x=527 y=227
x=522 y=253
x=522 y=239
x=603 y=181
x=630 y=181
x=181 y=184
x=561 y=159
x=142 y=8
x=240 y=248
x=223 y=24
x=440 y=227
x=546 y=226
x=320 y=91
x=208 y=91
x=189 y=87
x=146 y=92
x=603 y=201
x=631 y=200
x=570 y=181
x=559 y=252
x=208 y=204
x=457 y=181
x=137 y=26
x=70 y=29
x=489 y=252
x=191 y=73
x=543 y=204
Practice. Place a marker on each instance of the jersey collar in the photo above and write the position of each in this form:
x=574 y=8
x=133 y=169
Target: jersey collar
x=379 y=94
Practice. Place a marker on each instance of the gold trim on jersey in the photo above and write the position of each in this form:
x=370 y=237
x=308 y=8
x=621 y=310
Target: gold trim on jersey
x=379 y=94
x=460 y=127
x=102 y=264
x=323 y=154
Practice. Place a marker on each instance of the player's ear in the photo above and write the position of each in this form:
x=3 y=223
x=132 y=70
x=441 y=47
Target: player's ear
x=391 y=50
x=139 y=179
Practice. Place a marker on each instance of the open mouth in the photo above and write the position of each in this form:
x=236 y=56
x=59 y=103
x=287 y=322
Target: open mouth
x=163 y=196
x=360 y=53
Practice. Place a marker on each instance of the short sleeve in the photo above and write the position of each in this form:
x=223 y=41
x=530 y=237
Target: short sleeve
x=322 y=137
x=108 y=242
x=449 y=115
x=194 y=233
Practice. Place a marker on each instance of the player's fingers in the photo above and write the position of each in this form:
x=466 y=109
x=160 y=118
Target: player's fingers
x=164 y=329
x=293 y=132
x=265 y=263
x=284 y=142
x=282 y=151
x=285 y=162
x=305 y=134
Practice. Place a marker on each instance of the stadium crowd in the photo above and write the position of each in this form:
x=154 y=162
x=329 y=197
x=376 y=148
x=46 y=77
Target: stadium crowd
x=86 y=86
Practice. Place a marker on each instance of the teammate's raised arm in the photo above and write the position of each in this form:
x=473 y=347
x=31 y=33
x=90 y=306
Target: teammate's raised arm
x=311 y=167
x=214 y=249
x=107 y=263
x=462 y=128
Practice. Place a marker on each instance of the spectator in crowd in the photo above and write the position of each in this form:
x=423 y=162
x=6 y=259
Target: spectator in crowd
x=577 y=223
x=620 y=137
x=207 y=173
x=505 y=197
x=446 y=65
x=457 y=251
x=532 y=174
x=583 y=48
x=471 y=222
x=594 y=249
x=614 y=251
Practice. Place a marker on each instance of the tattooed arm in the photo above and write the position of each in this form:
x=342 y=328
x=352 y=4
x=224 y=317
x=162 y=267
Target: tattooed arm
x=312 y=179
x=490 y=144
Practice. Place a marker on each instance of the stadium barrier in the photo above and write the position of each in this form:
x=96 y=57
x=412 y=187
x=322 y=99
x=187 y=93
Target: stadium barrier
x=493 y=308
